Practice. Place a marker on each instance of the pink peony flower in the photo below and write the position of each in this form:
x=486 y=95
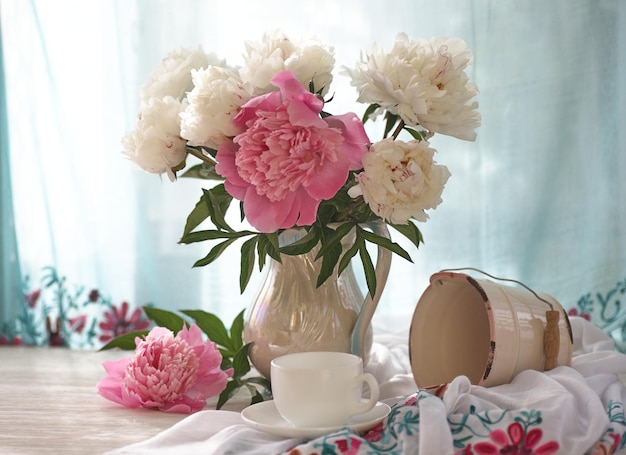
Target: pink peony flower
x=287 y=159
x=170 y=373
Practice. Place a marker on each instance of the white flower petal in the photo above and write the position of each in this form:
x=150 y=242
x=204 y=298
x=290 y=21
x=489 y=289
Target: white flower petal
x=424 y=82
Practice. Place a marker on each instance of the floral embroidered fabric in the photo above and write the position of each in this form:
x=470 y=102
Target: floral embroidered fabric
x=568 y=410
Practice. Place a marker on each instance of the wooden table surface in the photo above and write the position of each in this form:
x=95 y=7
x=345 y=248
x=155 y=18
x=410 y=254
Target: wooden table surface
x=49 y=404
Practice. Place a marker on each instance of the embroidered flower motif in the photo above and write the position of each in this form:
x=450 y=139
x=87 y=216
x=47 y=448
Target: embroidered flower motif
x=288 y=159
x=604 y=448
x=94 y=295
x=15 y=341
x=78 y=323
x=118 y=323
x=575 y=312
x=376 y=433
x=32 y=298
x=516 y=442
x=348 y=446
x=170 y=373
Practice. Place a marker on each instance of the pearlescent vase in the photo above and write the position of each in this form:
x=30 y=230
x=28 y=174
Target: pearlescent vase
x=290 y=314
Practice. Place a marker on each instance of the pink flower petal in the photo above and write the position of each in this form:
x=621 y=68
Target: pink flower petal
x=355 y=137
x=499 y=437
x=516 y=432
x=287 y=159
x=171 y=373
x=304 y=108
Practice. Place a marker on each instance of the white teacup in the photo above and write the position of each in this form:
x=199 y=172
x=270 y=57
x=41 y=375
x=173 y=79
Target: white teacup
x=321 y=389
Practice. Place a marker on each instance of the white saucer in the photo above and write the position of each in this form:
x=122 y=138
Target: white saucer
x=264 y=416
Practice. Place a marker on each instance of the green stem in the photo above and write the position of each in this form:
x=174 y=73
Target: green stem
x=197 y=152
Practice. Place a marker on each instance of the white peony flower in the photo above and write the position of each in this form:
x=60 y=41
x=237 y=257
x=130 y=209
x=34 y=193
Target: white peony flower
x=308 y=61
x=173 y=76
x=424 y=82
x=216 y=98
x=155 y=145
x=400 y=180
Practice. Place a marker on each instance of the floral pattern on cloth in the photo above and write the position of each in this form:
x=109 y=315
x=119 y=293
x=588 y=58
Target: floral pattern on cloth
x=614 y=438
x=58 y=313
x=512 y=432
x=607 y=310
x=476 y=433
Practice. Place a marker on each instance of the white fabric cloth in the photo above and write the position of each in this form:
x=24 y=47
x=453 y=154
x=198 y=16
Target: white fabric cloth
x=572 y=404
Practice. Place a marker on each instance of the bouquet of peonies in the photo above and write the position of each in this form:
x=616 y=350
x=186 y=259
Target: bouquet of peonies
x=263 y=132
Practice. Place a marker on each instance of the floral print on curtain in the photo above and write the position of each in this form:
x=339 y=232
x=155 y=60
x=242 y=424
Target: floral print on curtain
x=56 y=313
x=59 y=313
x=606 y=309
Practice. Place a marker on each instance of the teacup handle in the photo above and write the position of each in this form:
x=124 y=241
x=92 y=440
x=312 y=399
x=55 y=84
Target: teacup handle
x=383 y=264
x=365 y=405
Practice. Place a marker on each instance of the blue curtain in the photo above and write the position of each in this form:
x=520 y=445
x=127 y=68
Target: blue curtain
x=537 y=198
x=11 y=294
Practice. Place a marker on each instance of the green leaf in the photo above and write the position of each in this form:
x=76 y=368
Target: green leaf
x=241 y=362
x=125 y=342
x=202 y=171
x=263 y=382
x=212 y=326
x=247 y=262
x=256 y=396
x=204 y=235
x=410 y=231
x=347 y=257
x=227 y=360
x=334 y=239
x=218 y=200
x=369 y=111
x=417 y=135
x=272 y=248
x=164 y=318
x=261 y=249
x=215 y=252
x=209 y=150
x=199 y=213
x=392 y=119
x=236 y=331
x=304 y=245
x=329 y=261
x=231 y=388
x=385 y=243
x=368 y=267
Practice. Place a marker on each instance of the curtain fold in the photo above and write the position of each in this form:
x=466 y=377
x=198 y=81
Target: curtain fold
x=11 y=294
x=537 y=198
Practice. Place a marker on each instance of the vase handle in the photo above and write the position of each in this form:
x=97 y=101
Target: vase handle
x=383 y=264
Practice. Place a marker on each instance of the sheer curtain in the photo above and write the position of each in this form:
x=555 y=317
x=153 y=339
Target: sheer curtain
x=536 y=198
x=10 y=288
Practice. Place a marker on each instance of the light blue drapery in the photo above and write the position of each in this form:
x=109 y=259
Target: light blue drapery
x=11 y=294
x=537 y=198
